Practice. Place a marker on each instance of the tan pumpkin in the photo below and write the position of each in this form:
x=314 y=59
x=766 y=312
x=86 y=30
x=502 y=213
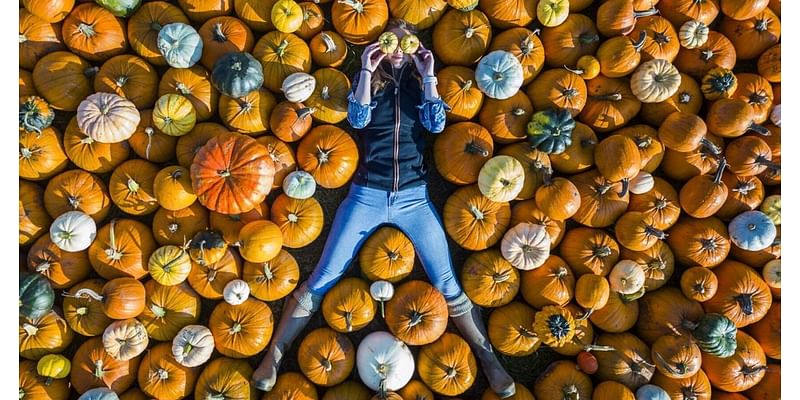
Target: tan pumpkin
x=125 y=339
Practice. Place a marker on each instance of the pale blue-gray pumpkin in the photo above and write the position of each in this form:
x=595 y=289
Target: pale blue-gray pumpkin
x=752 y=230
x=651 y=392
x=499 y=75
x=180 y=44
x=99 y=394
x=120 y=8
x=550 y=131
x=715 y=334
x=237 y=74
x=36 y=296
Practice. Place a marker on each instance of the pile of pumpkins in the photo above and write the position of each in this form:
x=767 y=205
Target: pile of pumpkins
x=615 y=177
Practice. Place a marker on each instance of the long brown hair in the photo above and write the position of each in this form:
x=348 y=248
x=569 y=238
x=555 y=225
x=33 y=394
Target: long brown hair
x=380 y=77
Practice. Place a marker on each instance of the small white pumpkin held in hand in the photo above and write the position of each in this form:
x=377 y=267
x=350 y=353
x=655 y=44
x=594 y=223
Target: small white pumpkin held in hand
x=236 y=292
x=73 y=231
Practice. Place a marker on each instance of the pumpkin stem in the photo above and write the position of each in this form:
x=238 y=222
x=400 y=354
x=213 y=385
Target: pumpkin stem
x=173 y=227
x=569 y=92
x=31 y=330
x=706 y=55
x=355 y=4
x=292 y=217
x=759 y=129
x=645 y=13
x=112 y=252
x=348 y=321
x=758 y=98
x=323 y=156
x=753 y=369
x=187 y=348
x=25 y=153
x=22 y=38
x=451 y=373
x=517 y=112
x=718 y=175
x=699 y=288
x=558 y=326
x=588 y=38
x=525 y=332
x=393 y=255
x=416 y=318
x=711 y=147
x=281 y=49
x=597 y=347
x=82 y=311
x=158 y=311
x=561 y=272
x=643 y=142
x=326 y=365
x=43 y=266
x=602 y=189
x=745 y=301
x=586 y=314
x=87 y=140
x=526 y=47
x=324 y=94
x=330 y=45
x=571 y=392
x=639 y=44
x=601 y=251
x=86 y=30
x=98 y=369
x=761 y=25
x=625 y=184
x=478 y=214
x=212 y=274
x=500 y=277
x=182 y=89
x=661 y=37
x=577 y=71
x=162 y=374
x=225 y=173
x=88 y=293
x=133 y=186
x=744 y=188
x=609 y=97
x=652 y=231
x=474 y=148
x=218 y=34
x=708 y=244
x=761 y=160
x=121 y=80
x=684 y=98
x=722 y=83
x=268 y=275
x=155 y=26
x=236 y=328
x=469 y=32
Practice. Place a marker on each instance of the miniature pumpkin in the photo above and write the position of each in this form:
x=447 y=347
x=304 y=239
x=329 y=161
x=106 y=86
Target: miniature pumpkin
x=242 y=330
x=417 y=313
x=552 y=12
x=562 y=378
x=122 y=298
x=550 y=131
x=248 y=114
x=298 y=87
x=699 y=283
x=558 y=88
x=274 y=279
x=447 y=366
x=35 y=114
x=177 y=227
x=501 y=178
x=125 y=339
x=180 y=45
x=196 y=85
x=326 y=357
x=591 y=293
x=221 y=36
x=589 y=251
x=329 y=154
x=299 y=185
x=53 y=366
x=168 y=309
x=381 y=291
x=174 y=115
x=488 y=279
x=348 y=307
x=510 y=330
x=554 y=326
x=193 y=345
x=506 y=119
x=718 y=83
x=384 y=361
x=387 y=254
x=73 y=231
x=693 y=34
x=627 y=277
x=236 y=292
x=93 y=367
x=237 y=74
x=231 y=174
x=655 y=81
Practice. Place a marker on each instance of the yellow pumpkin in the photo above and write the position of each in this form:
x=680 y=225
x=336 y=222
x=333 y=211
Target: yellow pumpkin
x=169 y=265
x=287 y=16
x=174 y=115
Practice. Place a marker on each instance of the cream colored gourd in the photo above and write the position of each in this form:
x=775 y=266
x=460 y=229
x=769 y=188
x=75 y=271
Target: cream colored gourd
x=501 y=178
x=236 y=292
x=298 y=87
x=526 y=246
x=107 y=117
x=381 y=291
x=627 y=277
x=73 y=231
x=693 y=34
x=299 y=185
x=125 y=339
x=193 y=345
x=642 y=183
x=655 y=81
x=772 y=273
x=384 y=362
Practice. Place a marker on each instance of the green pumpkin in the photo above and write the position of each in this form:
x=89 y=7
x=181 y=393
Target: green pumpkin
x=715 y=334
x=237 y=74
x=36 y=296
x=120 y=8
x=35 y=114
x=550 y=131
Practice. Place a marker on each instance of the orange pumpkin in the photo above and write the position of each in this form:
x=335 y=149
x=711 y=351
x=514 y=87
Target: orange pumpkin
x=193 y=83
x=300 y=221
x=200 y=11
x=524 y=44
x=189 y=144
x=696 y=386
x=209 y=280
x=461 y=38
x=660 y=203
x=507 y=119
x=703 y=195
x=44 y=335
x=566 y=43
x=750 y=155
x=231 y=224
x=699 y=283
x=553 y=283
x=222 y=35
x=34 y=386
x=630 y=362
x=680 y=11
x=578 y=156
x=93 y=367
x=701 y=242
x=526 y=211
x=767 y=332
x=84 y=314
x=328 y=49
x=49 y=10
x=757 y=91
x=131 y=187
x=149 y=143
x=91 y=155
x=360 y=21
x=447 y=366
x=589 y=251
x=348 y=390
x=739 y=372
x=661 y=41
x=256 y=13
x=414 y=390
x=619 y=315
x=26 y=83
x=601 y=203
x=651 y=150
x=658 y=263
x=329 y=154
x=326 y=357
x=618 y=17
x=769 y=64
x=144 y=25
x=620 y=55
x=348 y=307
x=249 y=114
x=168 y=309
x=461 y=150
x=62 y=268
x=94 y=33
x=179 y=226
x=281 y=54
x=610 y=104
x=162 y=377
x=670 y=313
x=291 y=385
x=130 y=77
x=743 y=296
x=121 y=298
x=231 y=174
x=226 y=377
x=290 y=121
x=417 y=313
x=274 y=279
x=40 y=154
x=473 y=221
x=562 y=378
x=64 y=79
x=386 y=255
x=313 y=20
x=558 y=88
x=488 y=279
x=745 y=193
x=687 y=98
x=510 y=330
x=33 y=218
x=683 y=166
x=122 y=248
x=676 y=356
x=329 y=97
x=534 y=163
x=769 y=385
x=718 y=51
x=37 y=38
x=612 y=390
x=243 y=330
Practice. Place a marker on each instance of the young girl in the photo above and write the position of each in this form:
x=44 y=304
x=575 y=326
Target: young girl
x=392 y=104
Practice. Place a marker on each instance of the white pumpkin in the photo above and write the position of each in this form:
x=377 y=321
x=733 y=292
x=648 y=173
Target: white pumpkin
x=772 y=273
x=381 y=291
x=526 y=246
x=193 y=345
x=299 y=185
x=501 y=178
x=236 y=292
x=298 y=87
x=642 y=183
x=125 y=339
x=775 y=116
x=384 y=361
x=180 y=44
x=693 y=34
x=73 y=231
x=655 y=81
x=100 y=393
x=627 y=277
x=107 y=117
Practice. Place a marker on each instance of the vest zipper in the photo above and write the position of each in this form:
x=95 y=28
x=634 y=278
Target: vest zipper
x=396 y=144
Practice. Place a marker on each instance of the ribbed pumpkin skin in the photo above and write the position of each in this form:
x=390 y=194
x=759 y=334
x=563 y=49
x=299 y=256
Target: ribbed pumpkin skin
x=43 y=335
x=33 y=386
x=510 y=330
x=326 y=357
x=417 y=313
x=162 y=377
x=274 y=279
x=387 y=255
x=91 y=356
x=241 y=331
x=348 y=306
x=168 y=309
x=559 y=377
x=225 y=376
x=447 y=366
x=743 y=296
x=489 y=280
x=474 y=221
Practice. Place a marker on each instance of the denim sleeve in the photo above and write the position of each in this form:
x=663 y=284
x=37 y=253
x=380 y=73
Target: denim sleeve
x=358 y=115
x=432 y=115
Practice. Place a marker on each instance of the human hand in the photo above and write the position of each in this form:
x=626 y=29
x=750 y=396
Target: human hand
x=423 y=59
x=372 y=57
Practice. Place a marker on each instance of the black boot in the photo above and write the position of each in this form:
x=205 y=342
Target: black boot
x=297 y=311
x=467 y=318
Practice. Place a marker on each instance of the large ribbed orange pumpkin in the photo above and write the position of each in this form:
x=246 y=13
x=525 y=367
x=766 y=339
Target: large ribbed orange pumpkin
x=417 y=313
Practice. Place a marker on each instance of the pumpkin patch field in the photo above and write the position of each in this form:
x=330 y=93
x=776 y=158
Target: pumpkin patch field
x=608 y=180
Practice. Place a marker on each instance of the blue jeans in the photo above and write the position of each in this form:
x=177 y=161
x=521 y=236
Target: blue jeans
x=362 y=212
